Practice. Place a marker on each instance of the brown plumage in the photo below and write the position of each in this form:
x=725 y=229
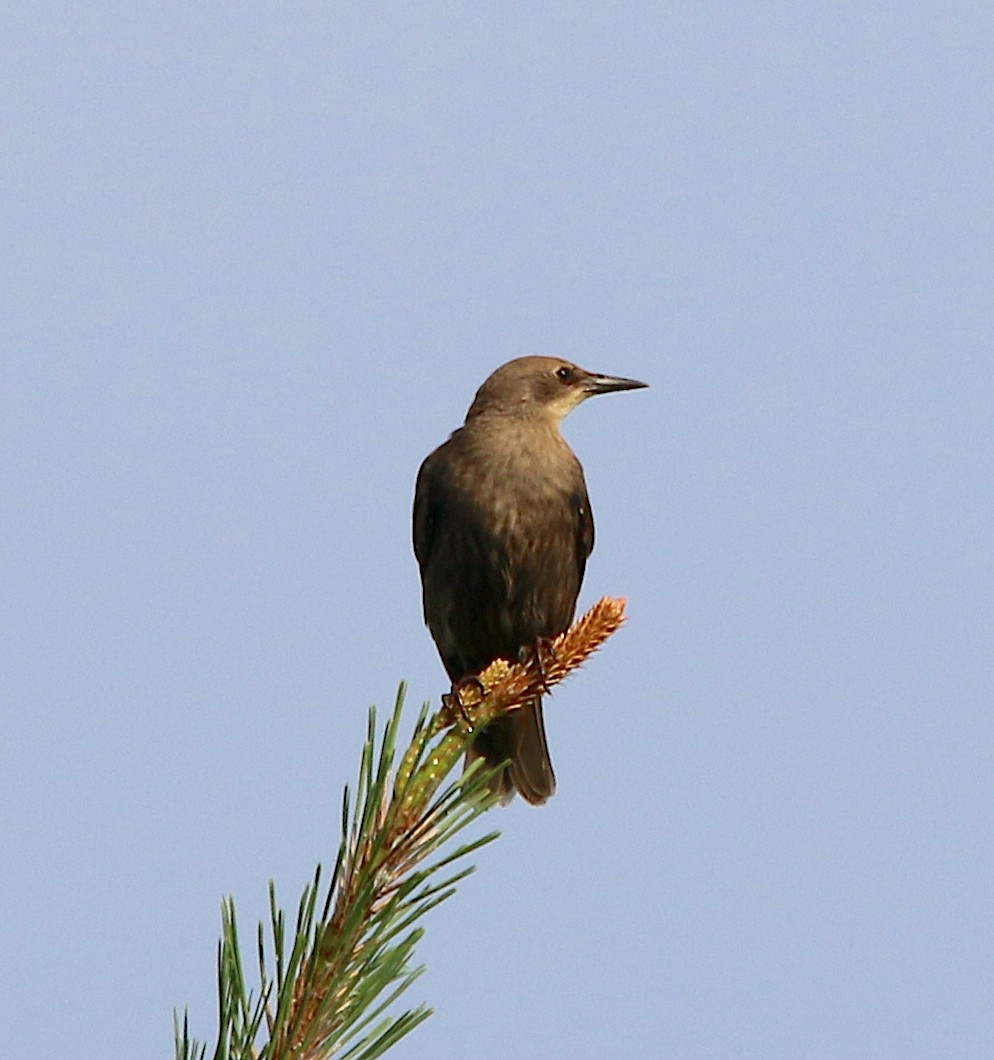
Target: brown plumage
x=502 y=532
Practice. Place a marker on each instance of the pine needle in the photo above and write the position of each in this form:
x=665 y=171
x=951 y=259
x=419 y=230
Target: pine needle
x=349 y=957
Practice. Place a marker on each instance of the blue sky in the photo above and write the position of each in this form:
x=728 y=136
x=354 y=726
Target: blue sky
x=256 y=261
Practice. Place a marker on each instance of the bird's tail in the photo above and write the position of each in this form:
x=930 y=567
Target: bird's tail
x=518 y=739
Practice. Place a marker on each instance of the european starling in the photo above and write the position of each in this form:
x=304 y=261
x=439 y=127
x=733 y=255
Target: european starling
x=502 y=532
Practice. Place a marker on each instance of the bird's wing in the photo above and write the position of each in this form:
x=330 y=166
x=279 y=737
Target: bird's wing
x=585 y=526
x=423 y=522
x=584 y=533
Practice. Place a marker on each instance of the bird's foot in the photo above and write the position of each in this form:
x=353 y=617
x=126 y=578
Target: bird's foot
x=541 y=652
x=452 y=701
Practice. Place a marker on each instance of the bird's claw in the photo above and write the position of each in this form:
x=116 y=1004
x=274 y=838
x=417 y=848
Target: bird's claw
x=452 y=701
x=543 y=649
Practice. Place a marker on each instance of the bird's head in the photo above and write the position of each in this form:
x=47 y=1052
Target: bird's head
x=544 y=387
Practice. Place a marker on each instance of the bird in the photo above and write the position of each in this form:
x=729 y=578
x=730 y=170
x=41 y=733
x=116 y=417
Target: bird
x=502 y=529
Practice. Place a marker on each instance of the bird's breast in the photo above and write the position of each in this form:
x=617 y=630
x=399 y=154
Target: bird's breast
x=506 y=560
x=520 y=493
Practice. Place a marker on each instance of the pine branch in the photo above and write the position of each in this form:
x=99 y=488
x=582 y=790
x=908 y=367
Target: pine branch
x=349 y=956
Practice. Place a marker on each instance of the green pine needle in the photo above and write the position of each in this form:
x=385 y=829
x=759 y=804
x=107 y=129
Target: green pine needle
x=348 y=961
x=337 y=978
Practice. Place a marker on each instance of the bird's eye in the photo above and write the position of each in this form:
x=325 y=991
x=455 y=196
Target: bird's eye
x=565 y=374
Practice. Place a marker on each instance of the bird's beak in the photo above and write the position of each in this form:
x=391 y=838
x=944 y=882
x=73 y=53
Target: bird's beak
x=607 y=384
